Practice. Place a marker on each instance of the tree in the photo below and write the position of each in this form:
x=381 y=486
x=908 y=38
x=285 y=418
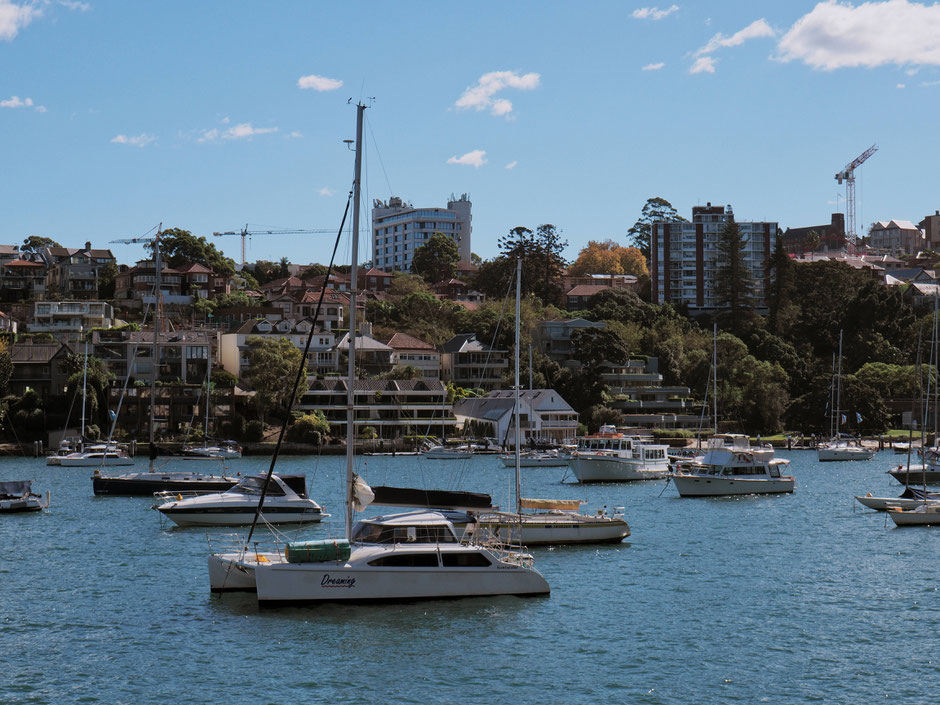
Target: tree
x=272 y=369
x=608 y=257
x=34 y=244
x=592 y=347
x=437 y=259
x=6 y=368
x=98 y=382
x=404 y=283
x=734 y=284
x=107 y=273
x=179 y=247
x=314 y=271
x=654 y=211
x=542 y=258
x=309 y=428
x=780 y=296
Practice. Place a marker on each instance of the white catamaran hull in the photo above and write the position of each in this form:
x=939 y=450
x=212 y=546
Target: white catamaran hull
x=600 y=468
x=699 y=486
x=338 y=581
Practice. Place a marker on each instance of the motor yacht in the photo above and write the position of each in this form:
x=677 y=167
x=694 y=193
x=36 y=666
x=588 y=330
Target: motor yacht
x=16 y=496
x=285 y=502
x=98 y=455
x=609 y=456
x=732 y=466
x=839 y=449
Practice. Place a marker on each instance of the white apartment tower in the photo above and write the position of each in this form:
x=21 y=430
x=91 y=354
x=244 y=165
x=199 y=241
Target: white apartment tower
x=684 y=258
x=398 y=229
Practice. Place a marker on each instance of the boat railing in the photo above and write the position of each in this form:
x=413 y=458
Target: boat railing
x=230 y=544
x=161 y=498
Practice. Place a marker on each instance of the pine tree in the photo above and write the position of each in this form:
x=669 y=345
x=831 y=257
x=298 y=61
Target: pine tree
x=734 y=285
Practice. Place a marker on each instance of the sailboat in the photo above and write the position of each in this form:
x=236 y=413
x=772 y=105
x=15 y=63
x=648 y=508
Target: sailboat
x=839 y=446
x=154 y=479
x=95 y=455
x=225 y=449
x=416 y=555
x=552 y=521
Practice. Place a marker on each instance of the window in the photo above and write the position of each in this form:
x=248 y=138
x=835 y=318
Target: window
x=407 y=560
x=466 y=559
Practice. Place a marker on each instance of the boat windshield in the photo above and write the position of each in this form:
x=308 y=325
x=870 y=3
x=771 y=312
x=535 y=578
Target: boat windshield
x=253 y=485
x=371 y=532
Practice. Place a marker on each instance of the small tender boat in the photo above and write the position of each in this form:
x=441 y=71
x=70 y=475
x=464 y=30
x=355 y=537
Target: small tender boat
x=924 y=514
x=731 y=466
x=225 y=449
x=446 y=453
x=609 y=456
x=285 y=502
x=908 y=499
x=16 y=496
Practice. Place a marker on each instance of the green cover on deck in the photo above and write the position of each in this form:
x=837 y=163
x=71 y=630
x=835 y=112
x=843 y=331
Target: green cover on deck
x=317 y=551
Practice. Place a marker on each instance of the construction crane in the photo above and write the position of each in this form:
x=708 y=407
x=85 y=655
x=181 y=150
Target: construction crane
x=245 y=232
x=848 y=176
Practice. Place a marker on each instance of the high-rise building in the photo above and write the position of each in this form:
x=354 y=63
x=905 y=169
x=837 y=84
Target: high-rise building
x=684 y=259
x=398 y=229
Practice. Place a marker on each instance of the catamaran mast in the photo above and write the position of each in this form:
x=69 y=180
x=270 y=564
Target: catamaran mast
x=353 y=288
x=516 y=394
x=155 y=362
x=715 y=374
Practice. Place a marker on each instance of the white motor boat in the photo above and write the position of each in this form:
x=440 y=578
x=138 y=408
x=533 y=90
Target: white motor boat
x=446 y=453
x=97 y=456
x=731 y=466
x=16 y=496
x=608 y=456
x=225 y=449
x=555 y=522
x=285 y=502
x=843 y=449
x=536 y=459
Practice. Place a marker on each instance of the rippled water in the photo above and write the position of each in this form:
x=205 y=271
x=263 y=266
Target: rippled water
x=801 y=598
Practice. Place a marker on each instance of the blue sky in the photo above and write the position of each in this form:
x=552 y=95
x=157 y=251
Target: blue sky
x=115 y=116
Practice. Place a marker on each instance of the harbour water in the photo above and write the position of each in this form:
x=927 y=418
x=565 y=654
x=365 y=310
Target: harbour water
x=786 y=599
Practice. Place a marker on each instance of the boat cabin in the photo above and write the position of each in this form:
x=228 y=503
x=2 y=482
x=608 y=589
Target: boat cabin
x=276 y=488
x=411 y=527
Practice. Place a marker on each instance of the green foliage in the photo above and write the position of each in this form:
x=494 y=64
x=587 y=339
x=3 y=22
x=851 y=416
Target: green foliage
x=405 y=283
x=106 y=276
x=36 y=243
x=314 y=271
x=224 y=379
x=309 y=428
x=178 y=247
x=254 y=431
x=734 y=285
x=542 y=258
x=655 y=210
x=272 y=369
x=401 y=372
x=6 y=368
x=437 y=259
x=779 y=299
x=599 y=415
x=98 y=383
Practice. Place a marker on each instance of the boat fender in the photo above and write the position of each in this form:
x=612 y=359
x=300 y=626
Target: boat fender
x=179 y=497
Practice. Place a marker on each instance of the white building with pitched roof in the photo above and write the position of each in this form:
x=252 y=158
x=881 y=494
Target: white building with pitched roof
x=896 y=236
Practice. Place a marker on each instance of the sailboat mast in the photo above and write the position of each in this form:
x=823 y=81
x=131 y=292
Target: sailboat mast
x=353 y=289
x=838 y=409
x=155 y=362
x=84 y=388
x=516 y=393
x=205 y=433
x=715 y=373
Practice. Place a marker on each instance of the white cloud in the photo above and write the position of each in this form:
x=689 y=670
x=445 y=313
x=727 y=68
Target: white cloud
x=240 y=131
x=654 y=13
x=75 y=5
x=837 y=35
x=319 y=83
x=295 y=134
x=511 y=165
x=703 y=64
x=654 y=67
x=757 y=28
x=900 y=85
x=17 y=102
x=476 y=159
x=326 y=191
x=14 y=17
x=141 y=140
x=480 y=96
x=928 y=84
